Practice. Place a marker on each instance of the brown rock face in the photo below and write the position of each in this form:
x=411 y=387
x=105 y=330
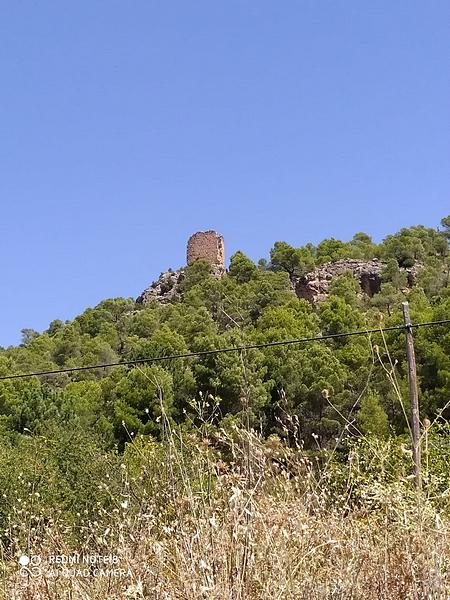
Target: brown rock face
x=314 y=286
x=207 y=245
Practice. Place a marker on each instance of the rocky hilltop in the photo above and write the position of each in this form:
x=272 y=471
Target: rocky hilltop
x=314 y=286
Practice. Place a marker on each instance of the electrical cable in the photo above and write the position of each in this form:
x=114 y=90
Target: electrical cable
x=154 y=359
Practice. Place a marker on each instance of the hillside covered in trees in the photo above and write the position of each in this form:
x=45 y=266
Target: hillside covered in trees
x=319 y=383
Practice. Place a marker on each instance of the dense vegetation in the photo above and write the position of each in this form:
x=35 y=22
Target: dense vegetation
x=251 y=305
x=89 y=442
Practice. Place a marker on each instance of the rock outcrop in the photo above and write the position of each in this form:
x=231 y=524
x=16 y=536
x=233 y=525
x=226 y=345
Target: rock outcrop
x=314 y=286
x=165 y=290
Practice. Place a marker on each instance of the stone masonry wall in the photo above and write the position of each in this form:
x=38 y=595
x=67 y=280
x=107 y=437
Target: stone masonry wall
x=209 y=246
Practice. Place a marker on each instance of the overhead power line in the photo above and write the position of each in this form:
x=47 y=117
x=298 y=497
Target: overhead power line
x=154 y=359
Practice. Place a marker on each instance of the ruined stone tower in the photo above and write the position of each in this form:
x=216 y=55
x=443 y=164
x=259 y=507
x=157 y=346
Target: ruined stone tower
x=209 y=246
x=203 y=244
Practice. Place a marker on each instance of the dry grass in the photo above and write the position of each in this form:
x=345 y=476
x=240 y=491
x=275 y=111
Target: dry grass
x=262 y=525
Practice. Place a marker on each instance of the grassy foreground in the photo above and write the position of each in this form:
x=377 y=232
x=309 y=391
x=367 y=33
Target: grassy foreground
x=230 y=516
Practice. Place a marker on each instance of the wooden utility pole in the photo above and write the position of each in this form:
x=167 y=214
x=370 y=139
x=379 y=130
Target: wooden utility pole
x=413 y=395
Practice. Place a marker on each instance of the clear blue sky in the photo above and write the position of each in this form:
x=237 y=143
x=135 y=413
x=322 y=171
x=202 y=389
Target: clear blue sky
x=127 y=126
